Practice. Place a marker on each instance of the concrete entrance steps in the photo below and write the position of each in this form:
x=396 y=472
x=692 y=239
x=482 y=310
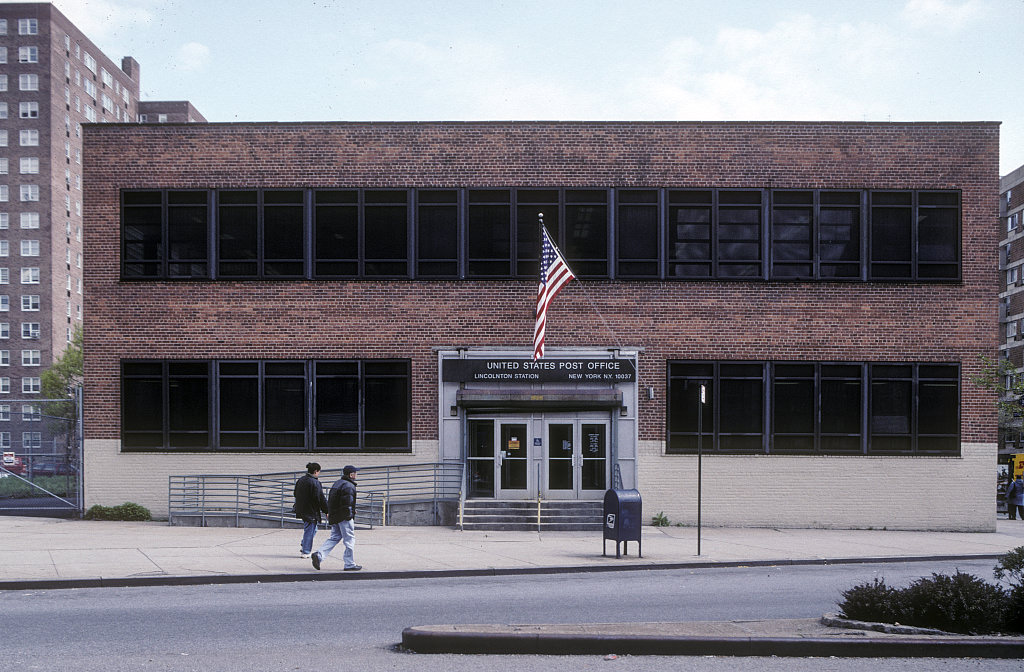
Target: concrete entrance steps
x=521 y=515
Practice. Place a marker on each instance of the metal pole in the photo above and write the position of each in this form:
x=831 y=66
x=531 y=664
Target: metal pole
x=700 y=457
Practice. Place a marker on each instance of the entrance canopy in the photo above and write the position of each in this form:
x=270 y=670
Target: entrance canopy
x=498 y=400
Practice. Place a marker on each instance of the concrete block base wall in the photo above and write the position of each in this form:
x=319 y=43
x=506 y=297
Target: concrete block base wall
x=854 y=492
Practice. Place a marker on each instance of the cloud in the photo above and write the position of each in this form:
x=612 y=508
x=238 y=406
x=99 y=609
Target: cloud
x=801 y=68
x=942 y=15
x=192 y=56
x=103 y=19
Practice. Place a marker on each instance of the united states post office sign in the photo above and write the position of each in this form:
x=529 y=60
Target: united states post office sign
x=540 y=371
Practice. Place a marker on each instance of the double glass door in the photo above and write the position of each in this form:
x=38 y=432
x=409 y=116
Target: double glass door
x=564 y=457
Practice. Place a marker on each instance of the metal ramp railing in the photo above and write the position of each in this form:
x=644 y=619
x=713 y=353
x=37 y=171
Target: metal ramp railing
x=269 y=497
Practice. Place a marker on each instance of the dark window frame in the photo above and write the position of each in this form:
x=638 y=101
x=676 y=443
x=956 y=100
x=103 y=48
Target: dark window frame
x=726 y=234
x=217 y=371
x=877 y=434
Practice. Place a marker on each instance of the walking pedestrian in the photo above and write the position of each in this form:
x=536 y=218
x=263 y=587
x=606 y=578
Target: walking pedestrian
x=309 y=504
x=341 y=514
x=1015 y=498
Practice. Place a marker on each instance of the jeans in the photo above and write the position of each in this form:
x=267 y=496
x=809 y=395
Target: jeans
x=1012 y=509
x=308 y=530
x=341 y=532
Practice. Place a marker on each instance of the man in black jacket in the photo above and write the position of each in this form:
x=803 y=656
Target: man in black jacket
x=309 y=504
x=341 y=514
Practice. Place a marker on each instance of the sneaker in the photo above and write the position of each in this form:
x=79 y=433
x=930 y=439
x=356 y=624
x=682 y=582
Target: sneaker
x=316 y=561
x=353 y=568
x=303 y=555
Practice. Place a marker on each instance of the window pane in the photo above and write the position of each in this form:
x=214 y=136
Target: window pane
x=142 y=405
x=238 y=239
x=283 y=237
x=336 y=239
x=937 y=235
x=794 y=406
x=386 y=239
x=840 y=406
x=490 y=250
x=740 y=406
x=387 y=402
x=188 y=404
x=637 y=234
x=437 y=240
x=239 y=404
x=939 y=408
x=891 y=406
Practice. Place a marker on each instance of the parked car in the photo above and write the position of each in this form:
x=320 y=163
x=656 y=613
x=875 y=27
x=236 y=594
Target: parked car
x=13 y=464
x=51 y=468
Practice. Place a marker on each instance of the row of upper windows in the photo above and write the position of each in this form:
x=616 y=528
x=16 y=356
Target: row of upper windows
x=28 y=357
x=25 y=54
x=29 y=220
x=29 y=385
x=29 y=330
x=29 y=165
x=26 y=82
x=29 y=248
x=684 y=234
x=29 y=413
x=25 y=26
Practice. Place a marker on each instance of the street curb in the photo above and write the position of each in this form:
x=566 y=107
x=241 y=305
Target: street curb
x=424 y=640
x=217 y=579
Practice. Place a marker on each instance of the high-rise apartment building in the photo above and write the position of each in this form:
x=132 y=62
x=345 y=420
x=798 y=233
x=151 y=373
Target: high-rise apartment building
x=1011 y=298
x=53 y=79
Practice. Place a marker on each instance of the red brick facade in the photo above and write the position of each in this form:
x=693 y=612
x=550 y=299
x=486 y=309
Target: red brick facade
x=669 y=320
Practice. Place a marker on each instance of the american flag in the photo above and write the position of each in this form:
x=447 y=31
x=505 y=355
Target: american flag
x=554 y=273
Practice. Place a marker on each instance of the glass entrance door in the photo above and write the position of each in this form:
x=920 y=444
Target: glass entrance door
x=497 y=458
x=513 y=460
x=576 y=459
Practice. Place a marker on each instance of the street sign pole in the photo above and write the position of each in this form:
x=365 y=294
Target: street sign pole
x=700 y=456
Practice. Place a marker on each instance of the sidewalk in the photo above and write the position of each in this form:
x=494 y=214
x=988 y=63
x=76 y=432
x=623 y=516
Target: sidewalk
x=43 y=553
x=54 y=553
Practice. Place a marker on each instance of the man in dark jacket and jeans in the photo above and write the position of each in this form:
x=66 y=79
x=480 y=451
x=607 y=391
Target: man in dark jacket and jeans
x=309 y=504
x=341 y=514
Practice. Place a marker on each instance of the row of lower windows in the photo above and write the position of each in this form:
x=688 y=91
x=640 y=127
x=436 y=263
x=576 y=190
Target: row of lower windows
x=29 y=440
x=684 y=234
x=364 y=405
x=326 y=405
x=814 y=408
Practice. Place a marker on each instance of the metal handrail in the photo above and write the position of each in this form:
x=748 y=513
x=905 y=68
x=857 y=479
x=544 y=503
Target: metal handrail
x=269 y=496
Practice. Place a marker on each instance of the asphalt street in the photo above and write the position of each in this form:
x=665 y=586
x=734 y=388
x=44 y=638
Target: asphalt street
x=356 y=625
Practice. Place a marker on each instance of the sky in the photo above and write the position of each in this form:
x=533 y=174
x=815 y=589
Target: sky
x=685 y=60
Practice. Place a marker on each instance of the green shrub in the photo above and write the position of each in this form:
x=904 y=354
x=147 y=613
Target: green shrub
x=1011 y=567
x=660 y=520
x=960 y=603
x=1014 y=619
x=126 y=511
x=873 y=601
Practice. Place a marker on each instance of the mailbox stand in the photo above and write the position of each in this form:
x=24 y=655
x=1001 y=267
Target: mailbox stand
x=623 y=518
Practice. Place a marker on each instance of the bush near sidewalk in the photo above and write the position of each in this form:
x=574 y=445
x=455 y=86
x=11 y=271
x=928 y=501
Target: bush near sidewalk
x=961 y=603
x=126 y=511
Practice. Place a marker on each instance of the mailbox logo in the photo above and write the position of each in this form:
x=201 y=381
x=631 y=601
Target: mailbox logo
x=610 y=521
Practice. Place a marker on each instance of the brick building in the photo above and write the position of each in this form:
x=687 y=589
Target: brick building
x=261 y=294
x=169 y=112
x=54 y=79
x=1011 y=296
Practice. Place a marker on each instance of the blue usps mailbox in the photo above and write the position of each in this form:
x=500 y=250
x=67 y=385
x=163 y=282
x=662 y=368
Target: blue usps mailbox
x=623 y=517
